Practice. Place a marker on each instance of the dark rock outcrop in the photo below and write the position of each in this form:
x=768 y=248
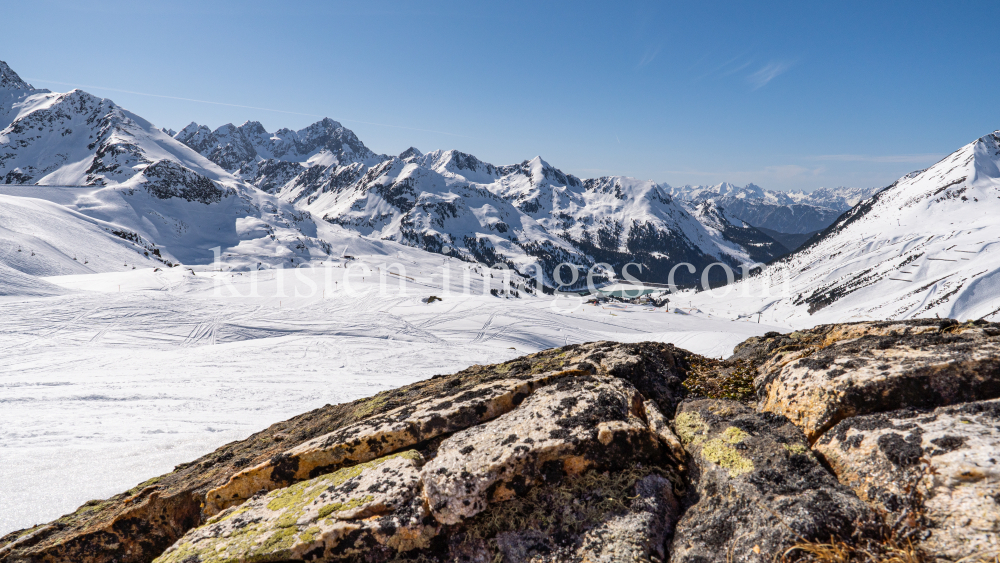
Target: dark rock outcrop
x=166 y=179
x=756 y=488
x=401 y=502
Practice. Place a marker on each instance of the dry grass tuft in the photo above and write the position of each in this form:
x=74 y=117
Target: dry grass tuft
x=897 y=540
x=839 y=551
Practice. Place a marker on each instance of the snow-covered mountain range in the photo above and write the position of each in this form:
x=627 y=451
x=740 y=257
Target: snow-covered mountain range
x=452 y=202
x=523 y=213
x=782 y=212
x=287 y=197
x=263 y=197
x=924 y=246
x=138 y=189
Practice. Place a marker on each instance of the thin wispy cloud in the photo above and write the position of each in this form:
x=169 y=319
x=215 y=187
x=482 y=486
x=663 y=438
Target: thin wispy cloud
x=767 y=73
x=735 y=69
x=648 y=56
x=731 y=66
x=44 y=81
x=890 y=158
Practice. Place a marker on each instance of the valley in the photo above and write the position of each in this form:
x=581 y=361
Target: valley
x=166 y=293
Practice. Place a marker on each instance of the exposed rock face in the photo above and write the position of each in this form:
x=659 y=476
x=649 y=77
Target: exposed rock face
x=819 y=377
x=399 y=428
x=342 y=513
x=389 y=504
x=654 y=370
x=757 y=489
x=565 y=429
x=581 y=454
x=636 y=530
x=941 y=465
x=166 y=179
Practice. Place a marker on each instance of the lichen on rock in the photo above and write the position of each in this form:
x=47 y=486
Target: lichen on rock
x=940 y=468
x=833 y=372
x=340 y=513
x=399 y=428
x=564 y=429
x=755 y=488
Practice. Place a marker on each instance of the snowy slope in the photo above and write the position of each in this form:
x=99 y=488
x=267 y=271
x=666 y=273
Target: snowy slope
x=43 y=238
x=925 y=246
x=172 y=204
x=17 y=284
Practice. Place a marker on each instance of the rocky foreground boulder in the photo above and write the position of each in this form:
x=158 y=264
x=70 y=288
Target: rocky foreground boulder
x=938 y=467
x=851 y=442
x=756 y=487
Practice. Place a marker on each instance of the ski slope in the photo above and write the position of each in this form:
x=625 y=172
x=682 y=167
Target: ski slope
x=118 y=376
x=927 y=246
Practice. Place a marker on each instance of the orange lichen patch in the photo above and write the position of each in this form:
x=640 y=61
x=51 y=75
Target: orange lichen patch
x=502 y=492
x=575 y=465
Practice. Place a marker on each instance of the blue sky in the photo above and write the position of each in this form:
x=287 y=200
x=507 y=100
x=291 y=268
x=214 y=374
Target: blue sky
x=792 y=95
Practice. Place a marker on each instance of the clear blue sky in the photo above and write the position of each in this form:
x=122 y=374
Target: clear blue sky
x=792 y=95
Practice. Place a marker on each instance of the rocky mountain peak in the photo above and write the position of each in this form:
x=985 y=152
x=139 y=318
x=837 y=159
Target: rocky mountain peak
x=191 y=128
x=753 y=190
x=9 y=80
x=412 y=152
x=233 y=148
x=253 y=127
x=198 y=137
x=226 y=129
x=327 y=124
x=725 y=188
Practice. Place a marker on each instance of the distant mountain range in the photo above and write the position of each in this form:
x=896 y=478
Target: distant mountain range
x=452 y=202
x=780 y=212
x=449 y=201
x=259 y=195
